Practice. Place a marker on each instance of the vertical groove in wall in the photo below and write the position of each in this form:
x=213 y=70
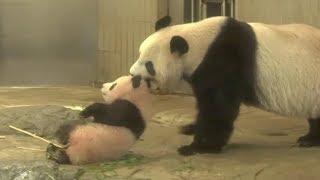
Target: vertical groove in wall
x=123 y=25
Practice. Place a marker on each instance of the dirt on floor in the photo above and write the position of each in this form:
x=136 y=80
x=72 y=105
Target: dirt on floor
x=262 y=146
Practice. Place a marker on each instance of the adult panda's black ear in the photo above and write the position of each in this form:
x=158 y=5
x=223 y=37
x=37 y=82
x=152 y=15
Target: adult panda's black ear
x=163 y=22
x=136 y=81
x=179 y=45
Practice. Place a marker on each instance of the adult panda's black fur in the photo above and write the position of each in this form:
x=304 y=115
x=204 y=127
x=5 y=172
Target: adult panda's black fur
x=233 y=70
x=219 y=97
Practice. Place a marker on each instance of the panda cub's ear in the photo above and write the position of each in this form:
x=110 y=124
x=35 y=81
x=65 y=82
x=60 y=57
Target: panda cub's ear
x=179 y=45
x=112 y=86
x=163 y=22
x=136 y=81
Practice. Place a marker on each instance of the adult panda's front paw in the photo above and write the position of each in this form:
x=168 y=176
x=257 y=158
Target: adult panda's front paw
x=188 y=129
x=187 y=150
x=309 y=141
x=195 y=148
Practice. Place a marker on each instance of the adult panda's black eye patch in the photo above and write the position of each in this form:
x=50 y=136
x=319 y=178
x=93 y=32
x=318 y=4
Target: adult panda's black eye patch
x=150 y=68
x=113 y=86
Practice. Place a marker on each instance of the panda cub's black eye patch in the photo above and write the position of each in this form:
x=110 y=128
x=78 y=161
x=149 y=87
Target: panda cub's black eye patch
x=113 y=86
x=136 y=81
x=150 y=68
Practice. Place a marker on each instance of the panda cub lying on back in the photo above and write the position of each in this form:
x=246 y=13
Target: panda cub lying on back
x=228 y=62
x=115 y=128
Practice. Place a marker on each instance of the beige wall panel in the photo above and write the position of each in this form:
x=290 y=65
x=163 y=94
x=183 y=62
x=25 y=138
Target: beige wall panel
x=176 y=11
x=163 y=7
x=100 y=66
x=123 y=25
x=279 y=12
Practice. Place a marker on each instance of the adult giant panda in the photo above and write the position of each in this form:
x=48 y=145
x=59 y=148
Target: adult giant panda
x=229 y=62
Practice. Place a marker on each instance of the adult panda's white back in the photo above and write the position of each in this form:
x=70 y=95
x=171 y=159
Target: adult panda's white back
x=288 y=69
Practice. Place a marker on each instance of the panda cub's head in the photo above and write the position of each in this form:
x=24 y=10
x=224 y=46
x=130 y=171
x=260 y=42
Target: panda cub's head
x=161 y=56
x=120 y=88
x=131 y=88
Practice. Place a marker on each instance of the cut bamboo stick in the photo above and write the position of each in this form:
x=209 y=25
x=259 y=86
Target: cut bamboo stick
x=38 y=137
x=31 y=149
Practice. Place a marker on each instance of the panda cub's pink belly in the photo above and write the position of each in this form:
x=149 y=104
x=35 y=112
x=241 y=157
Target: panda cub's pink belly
x=98 y=142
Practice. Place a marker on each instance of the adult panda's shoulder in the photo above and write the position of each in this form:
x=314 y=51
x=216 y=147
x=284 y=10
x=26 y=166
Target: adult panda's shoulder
x=230 y=57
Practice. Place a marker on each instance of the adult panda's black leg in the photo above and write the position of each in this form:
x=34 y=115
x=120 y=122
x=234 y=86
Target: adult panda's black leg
x=313 y=136
x=214 y=124
x=188 y=129
x=224 y=78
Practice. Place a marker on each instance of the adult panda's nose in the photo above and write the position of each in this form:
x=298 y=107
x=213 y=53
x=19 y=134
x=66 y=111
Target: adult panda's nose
x=133 y=69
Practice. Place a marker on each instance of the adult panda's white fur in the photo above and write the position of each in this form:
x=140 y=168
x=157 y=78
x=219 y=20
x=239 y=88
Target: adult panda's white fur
x=282 y=73
x=296 y=46
x=288 y=69
x=117 y=125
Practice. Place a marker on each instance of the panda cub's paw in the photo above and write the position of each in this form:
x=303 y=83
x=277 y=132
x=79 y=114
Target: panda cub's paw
x=57 y=155
x=188 y=129
x=309 y=141
x=92 y=109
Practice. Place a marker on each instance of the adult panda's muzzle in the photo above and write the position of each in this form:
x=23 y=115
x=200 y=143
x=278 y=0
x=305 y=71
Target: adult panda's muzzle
x=147 y=80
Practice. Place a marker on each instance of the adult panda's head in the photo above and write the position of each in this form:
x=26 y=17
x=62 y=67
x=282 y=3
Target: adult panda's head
x=161 y=56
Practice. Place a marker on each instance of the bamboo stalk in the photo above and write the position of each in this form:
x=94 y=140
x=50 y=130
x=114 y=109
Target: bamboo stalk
x=31 y=149
x=38 y=137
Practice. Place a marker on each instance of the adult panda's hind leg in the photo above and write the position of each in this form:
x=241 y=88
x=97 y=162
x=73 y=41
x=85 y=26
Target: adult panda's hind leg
x=313 y=136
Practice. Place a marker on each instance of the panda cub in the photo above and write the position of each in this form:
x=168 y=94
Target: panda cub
x=117 y=125
x=228 y=63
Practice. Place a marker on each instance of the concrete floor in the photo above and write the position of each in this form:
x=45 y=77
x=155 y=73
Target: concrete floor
x=262 y=146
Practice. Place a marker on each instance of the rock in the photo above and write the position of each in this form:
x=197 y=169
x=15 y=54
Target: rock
x=17 y=163
x=41 y=120
x=38 y=170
